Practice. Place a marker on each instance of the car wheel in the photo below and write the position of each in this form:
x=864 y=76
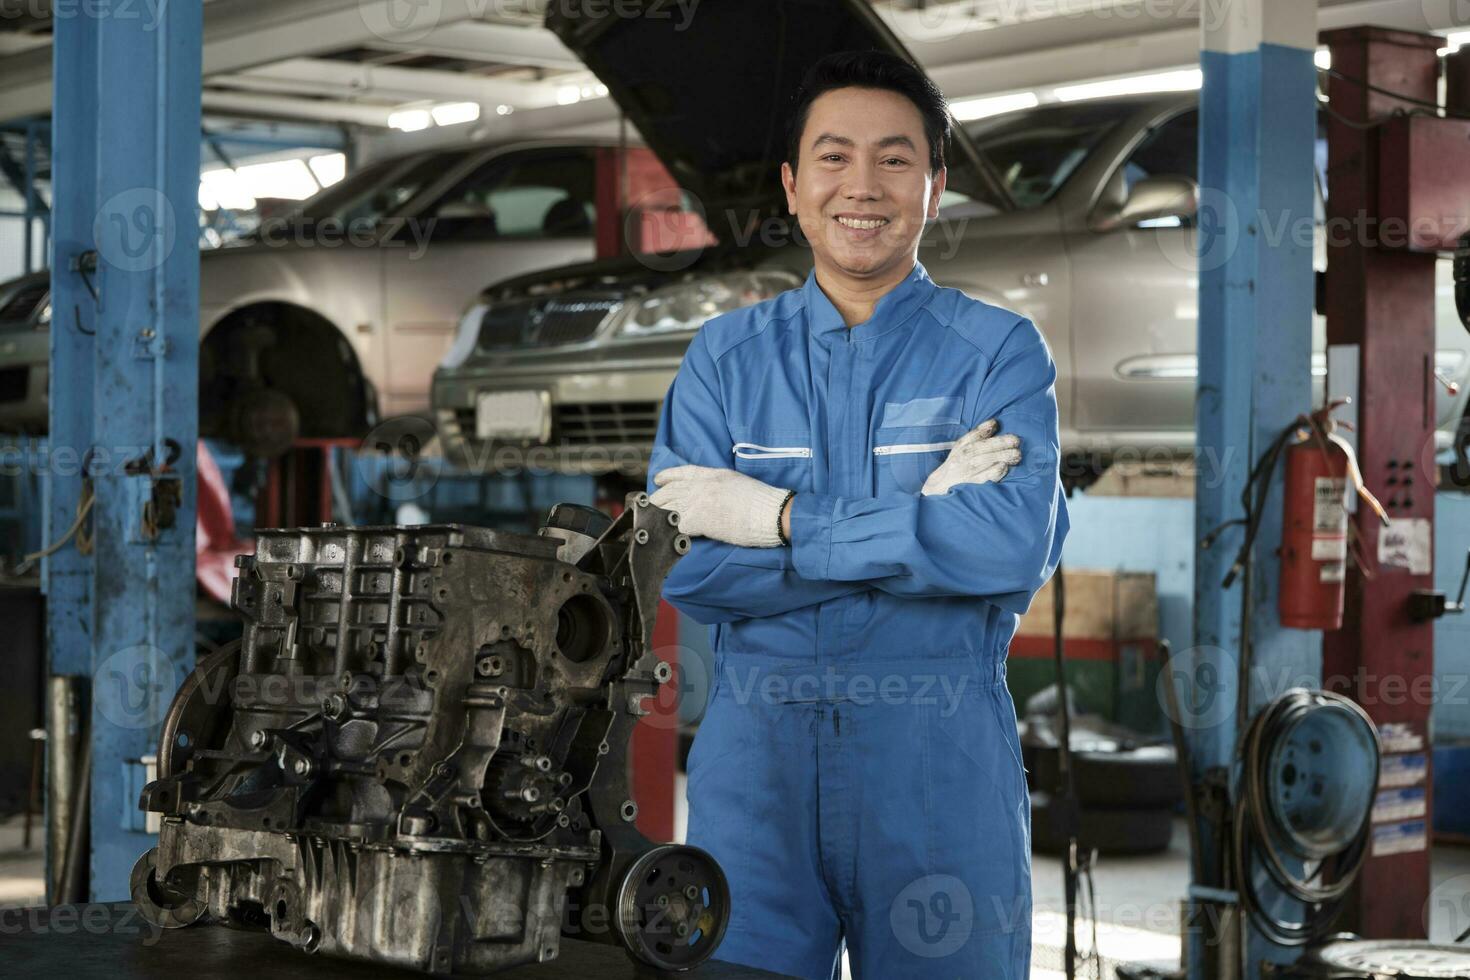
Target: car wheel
x=272 y=374
x=264 y=423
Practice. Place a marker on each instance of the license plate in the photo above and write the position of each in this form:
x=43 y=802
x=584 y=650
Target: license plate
x=519 y=415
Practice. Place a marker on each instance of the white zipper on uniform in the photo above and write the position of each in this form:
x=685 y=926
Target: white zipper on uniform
x=749 y=450
x=913 y=447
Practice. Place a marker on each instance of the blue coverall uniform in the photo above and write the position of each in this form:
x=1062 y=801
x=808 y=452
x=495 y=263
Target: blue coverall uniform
x=857 y=772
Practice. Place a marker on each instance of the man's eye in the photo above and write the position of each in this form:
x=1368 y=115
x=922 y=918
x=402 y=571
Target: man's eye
x=896 y=161
x=834 y=157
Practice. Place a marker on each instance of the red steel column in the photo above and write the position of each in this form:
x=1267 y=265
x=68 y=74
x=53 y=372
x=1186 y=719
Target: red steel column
x=609 y=202
x=1382 y=299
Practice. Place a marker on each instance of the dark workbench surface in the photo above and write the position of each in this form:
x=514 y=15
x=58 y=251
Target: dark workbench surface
x=115 y=943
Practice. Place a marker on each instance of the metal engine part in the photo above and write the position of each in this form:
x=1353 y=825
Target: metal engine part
x=418 y=753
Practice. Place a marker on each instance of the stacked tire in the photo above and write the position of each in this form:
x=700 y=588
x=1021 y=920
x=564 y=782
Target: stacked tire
x=1127 y=798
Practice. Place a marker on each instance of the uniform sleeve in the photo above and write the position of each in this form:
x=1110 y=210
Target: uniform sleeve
x=718 y=582
x=1000 y=541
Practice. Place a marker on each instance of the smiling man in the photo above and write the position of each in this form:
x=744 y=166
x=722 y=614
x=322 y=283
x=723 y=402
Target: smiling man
x=868 y=467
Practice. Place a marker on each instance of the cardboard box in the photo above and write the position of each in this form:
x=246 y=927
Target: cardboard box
x=1110 y=642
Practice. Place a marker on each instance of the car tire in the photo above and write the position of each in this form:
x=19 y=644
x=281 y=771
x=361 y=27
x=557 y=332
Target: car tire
x=1143 y=778
x=1030 y=759
x=1110 y=831
x=265 y=423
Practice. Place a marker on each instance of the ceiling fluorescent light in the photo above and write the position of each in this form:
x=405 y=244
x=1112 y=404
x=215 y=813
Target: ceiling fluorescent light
x=453 y=113
x=410 y=120
x=969 y=109
x=1166 y=81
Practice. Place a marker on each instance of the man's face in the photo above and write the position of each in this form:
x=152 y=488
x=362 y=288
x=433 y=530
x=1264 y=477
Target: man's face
x=862 y=188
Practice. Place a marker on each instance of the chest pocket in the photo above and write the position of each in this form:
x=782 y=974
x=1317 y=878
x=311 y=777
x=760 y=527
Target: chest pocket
x=779 y=457
x=914 y=437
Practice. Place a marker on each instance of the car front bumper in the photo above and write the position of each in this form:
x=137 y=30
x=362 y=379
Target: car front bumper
x=603 y=418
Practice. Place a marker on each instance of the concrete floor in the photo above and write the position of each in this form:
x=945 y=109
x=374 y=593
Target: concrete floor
x=1137 y=897
x=1137 y=909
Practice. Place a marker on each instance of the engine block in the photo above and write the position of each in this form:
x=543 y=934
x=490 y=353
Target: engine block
x=417 y=754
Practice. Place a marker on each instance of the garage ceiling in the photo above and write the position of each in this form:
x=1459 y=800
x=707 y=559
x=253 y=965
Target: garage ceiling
x=360 y=61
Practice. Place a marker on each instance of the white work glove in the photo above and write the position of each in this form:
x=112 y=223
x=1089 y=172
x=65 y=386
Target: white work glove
x=980 y=456
x=721 y=504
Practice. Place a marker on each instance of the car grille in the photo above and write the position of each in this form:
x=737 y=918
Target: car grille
x=24 y=303
x=592 y=424
x=606 y=423
x=544 y=322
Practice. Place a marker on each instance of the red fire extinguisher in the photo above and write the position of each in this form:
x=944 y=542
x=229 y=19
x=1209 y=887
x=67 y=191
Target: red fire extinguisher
x=1321 y=470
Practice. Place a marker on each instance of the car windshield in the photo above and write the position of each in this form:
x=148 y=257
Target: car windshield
x=1035 y=151
x=377 y=190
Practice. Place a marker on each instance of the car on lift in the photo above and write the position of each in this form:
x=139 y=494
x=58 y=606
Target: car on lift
x=320 y=322
x=1088 y=227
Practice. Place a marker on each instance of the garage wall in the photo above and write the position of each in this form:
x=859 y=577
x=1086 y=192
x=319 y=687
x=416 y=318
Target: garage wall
x=1142 y=534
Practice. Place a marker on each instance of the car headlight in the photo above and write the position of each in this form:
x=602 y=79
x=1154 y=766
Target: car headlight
x=465 y=335
x=688 y=305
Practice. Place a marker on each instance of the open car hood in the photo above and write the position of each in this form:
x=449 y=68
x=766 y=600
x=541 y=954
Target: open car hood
x=708 y=83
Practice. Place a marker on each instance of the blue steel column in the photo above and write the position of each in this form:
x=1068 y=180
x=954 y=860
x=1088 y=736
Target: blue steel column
x=1258 y=111
x=124 y=380
x=67 y=575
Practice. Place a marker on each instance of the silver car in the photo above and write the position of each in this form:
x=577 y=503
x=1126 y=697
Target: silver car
x=320 y=322
x=1079 y=215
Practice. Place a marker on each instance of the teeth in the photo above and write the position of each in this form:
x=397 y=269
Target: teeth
x=855 y=223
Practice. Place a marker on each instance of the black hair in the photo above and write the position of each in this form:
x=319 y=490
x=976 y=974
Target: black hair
x=871 y=69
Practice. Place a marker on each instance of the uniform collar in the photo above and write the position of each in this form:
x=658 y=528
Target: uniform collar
x=892 y=310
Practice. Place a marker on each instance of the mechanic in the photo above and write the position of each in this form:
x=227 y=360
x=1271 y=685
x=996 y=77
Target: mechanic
x=868 y=466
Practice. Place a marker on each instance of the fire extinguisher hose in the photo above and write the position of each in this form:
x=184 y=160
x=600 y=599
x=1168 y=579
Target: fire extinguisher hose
x=1319 y=425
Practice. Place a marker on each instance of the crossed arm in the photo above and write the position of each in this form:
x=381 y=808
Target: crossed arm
x=998 y=540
